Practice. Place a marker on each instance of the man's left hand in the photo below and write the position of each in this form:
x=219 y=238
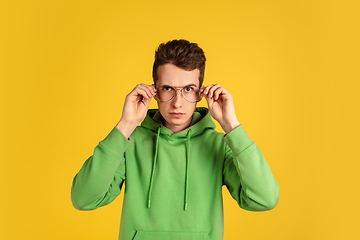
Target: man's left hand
x=221 y=106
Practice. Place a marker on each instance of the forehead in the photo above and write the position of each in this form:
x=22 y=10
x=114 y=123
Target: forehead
x=169 y=74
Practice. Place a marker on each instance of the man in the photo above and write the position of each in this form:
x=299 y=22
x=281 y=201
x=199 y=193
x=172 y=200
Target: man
x=175 y=163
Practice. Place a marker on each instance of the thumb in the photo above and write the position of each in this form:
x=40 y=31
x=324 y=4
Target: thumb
x=147 y=102
x=209 y=101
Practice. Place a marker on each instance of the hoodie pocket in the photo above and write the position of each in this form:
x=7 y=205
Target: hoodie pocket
x=160 y=235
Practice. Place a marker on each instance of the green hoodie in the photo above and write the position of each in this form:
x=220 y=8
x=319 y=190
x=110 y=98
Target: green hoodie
x=174 y=181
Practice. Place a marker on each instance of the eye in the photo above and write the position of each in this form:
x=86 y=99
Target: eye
x=188 y=89
x=167 y=88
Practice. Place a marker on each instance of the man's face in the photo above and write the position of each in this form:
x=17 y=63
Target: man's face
x=177 y=113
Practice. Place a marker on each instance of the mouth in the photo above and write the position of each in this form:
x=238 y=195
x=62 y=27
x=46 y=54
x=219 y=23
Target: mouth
x=176 y=115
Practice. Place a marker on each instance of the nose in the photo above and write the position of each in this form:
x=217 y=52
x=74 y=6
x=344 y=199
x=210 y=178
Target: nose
x=176 y=102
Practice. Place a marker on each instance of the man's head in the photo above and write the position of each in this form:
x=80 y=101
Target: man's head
x=179 y=65
x=181 y=53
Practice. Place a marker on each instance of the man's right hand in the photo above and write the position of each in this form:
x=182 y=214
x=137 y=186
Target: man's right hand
x=135 y=108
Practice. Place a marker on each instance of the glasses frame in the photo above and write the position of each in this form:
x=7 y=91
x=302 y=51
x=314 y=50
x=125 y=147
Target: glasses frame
x=178 y=89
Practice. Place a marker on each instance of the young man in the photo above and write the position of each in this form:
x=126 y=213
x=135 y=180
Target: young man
x=175 y=163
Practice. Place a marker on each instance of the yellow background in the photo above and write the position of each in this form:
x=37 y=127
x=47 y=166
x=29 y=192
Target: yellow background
x=292 y=67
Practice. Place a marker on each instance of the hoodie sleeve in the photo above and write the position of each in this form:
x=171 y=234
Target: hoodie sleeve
x=101 y=177
x=247 y=175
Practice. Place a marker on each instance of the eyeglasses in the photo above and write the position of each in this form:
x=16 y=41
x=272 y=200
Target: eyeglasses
x=189 y=93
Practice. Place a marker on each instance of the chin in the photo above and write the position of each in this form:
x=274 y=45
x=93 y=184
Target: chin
x=177 y=121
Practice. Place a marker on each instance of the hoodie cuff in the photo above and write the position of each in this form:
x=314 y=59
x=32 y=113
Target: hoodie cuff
x=116 y=142
x=238 y=140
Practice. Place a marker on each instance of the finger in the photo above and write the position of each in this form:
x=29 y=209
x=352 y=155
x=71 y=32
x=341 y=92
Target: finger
x=218 y=92
x=209 y=102
x=137 y=94
x=206 y=89
x=151 y=88
x=146 y=88
x=212 y=89
x=142 y=92
x=147 y=102
x=145 y=91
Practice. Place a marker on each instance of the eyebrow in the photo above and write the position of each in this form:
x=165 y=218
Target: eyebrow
x=189 y=85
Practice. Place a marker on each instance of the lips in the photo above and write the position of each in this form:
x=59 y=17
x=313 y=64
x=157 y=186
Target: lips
x=176 y=115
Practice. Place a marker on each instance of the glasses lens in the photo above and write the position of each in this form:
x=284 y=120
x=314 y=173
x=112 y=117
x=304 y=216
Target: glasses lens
x=191 y=94
x=166 y=93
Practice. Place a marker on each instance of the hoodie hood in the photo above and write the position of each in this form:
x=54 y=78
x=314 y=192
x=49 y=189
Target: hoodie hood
x=201 y=121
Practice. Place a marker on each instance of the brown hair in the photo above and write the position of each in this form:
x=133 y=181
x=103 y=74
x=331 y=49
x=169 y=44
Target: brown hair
x=181 y=53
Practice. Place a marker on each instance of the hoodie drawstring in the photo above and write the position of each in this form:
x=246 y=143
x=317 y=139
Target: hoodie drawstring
x=153 y=168
x=186 y=172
